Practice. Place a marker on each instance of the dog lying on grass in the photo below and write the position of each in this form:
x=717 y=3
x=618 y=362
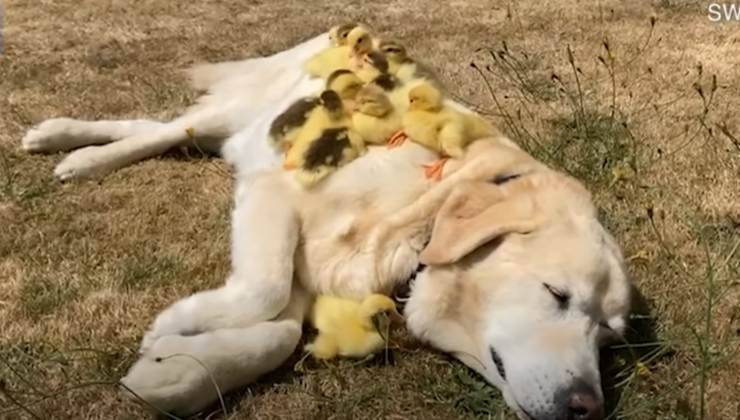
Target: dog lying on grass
x=522 y=283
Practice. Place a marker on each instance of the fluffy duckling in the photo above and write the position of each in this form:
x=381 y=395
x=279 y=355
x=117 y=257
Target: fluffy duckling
x=374 y=64
x=350 y=328
x=360 y=43
x=433 y=124
x=397 y=89
x=324 y=143
x=375 y=119
x=397 y=92
x=343 y=56
x=401 y=65
x=329 y=113
x=338 y=34
x=347 y=84
x=334 y=148
x=285 y=128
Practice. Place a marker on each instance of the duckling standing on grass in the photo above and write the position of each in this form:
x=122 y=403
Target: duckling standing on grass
x=375 y=119
x=351 y=328
x=437 y=126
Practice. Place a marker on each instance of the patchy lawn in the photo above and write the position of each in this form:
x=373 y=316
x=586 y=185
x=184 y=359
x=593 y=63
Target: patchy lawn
x=637 y=98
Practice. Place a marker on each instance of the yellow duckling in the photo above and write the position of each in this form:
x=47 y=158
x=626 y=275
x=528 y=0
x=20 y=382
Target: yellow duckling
x=334 y=148
x=375 y=119
x=350 y=328
x=360 y=43
x=285 y=129
x=346 y=84
x=342 y=56
x=329 y=113
x=437 y=126
x=338 y=34
x=374 y=64
x=401 y=65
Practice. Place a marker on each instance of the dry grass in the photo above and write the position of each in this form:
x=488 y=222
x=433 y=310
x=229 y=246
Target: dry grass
x=85 y=266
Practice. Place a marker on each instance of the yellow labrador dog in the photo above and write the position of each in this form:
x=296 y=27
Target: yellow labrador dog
x=522 y=283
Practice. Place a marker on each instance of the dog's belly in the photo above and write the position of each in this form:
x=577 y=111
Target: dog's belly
x=337 y=254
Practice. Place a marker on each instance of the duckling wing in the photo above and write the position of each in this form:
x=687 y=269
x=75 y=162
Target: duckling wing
x=477 y=127
x=422 y=127
x=452 y=138
x=329 y=313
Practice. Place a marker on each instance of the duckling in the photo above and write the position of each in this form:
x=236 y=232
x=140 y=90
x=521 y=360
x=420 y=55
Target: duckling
x=351 y=328
x=360 y=43
x=374 y=64
x=343 y=56
x=397 y=89
x=375 y=119
x=329 y=113
x=397 y=92
x=338 y=34
x=285 y=128
x=334 y=148
x=346 y=84
x=437 y=126
x=401 y=65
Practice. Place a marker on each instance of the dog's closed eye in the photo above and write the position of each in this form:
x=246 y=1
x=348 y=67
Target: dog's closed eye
x=561 y=296
x=498 y=362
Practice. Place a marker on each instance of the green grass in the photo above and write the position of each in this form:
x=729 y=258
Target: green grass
x=43 y=294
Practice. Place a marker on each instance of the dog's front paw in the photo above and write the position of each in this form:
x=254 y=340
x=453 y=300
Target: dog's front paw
x=50 y=136
x=89 y=162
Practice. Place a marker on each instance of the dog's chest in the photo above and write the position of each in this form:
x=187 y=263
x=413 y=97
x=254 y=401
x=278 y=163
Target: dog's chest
x=339 y=252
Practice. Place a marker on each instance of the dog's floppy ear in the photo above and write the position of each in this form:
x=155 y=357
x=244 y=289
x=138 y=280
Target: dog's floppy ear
x=475 y=214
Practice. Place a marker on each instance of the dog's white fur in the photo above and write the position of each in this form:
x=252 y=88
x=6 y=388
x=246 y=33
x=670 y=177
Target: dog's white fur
x=362 y=231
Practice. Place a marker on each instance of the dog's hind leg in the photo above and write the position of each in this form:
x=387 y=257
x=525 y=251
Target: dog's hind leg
x=62 y=134
x=204 y=122
x=265 y=236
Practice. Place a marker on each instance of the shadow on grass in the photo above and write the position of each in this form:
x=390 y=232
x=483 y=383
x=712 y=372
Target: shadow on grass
x=624 y=363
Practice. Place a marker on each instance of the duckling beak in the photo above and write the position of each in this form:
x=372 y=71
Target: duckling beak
x=397 y=318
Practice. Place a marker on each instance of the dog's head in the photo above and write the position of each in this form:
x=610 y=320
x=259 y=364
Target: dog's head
x=534 y=285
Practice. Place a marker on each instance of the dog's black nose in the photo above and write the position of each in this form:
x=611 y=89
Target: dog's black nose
x=579 y=401
x=584 y=406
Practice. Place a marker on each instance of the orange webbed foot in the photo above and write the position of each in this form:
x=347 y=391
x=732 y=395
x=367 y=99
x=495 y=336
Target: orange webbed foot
x=397 y=139
x=433 y=171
